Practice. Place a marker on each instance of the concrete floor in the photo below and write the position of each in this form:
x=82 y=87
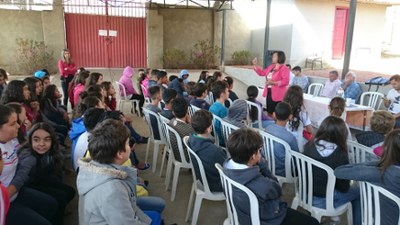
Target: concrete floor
x=211 y=212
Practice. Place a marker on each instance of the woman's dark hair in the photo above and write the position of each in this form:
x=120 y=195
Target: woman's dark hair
x=31 y=82
x=391 y=152
x=212 y=79
x=281 y=56
x=333 y=129
x=294 y=96
x=203 y=76
x=14 y=92
x=87 y=102
x=229 y=80
x=80 y=78
x=54 y=153
x=93 y=78
x=63 y=57
x=142 y=75
x=244 y=143
x=93 y=90
x=17 y=107
x=337 y=106
x=5 y=113
x=3 y=73
x=252 y=93
x=49 y=94
x=106 y=85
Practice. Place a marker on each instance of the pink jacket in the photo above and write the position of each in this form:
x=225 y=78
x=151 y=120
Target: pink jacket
x=79 y=88
x=282 y=75
x=145 y=84
x=126 y=80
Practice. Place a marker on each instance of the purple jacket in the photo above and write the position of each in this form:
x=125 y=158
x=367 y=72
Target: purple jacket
x=126 y=80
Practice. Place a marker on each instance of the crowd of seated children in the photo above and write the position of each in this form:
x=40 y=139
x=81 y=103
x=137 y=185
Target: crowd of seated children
x=252 y=93
x=181 y=123
x=329 y=147
x=126 y=81
x=237 y=113
x=202 y=143
x=282 y=115
x=200 y=92
x=220 y=93
x=384 y=173
x=382 y=122
x=169 y=95
x=247 y=167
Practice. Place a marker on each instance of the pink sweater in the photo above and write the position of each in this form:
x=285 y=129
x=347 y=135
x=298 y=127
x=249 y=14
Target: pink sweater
x=281 y=75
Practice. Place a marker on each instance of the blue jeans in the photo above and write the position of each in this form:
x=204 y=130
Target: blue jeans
x=352 y=195
x=151 y=203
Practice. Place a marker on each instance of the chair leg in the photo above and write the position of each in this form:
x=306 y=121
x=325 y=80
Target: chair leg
x=155 y=156
x=168 y=173
x=175 y=182
x=164 y=156
x=147 y=149
x=190 y=204
x=196 y=208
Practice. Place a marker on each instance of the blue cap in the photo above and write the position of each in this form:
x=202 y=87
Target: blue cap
x=40 y=74
x=183 y=72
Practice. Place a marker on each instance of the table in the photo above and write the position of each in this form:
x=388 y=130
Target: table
x=356 y=116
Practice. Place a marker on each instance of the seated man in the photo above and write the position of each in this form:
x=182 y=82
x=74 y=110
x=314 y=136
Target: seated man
x=104 y=185
x=282 y=115
x=392 y=100
x=168 y=96
x=209 y=153
x=155 y=95
x=332 y=85
x=248 y=168
x=200 y=92
x=300 y=79
x=181 y=123
x=351 y=88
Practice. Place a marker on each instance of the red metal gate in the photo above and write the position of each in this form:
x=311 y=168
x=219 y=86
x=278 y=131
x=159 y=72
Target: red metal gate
x=339 y=32
x=106 y=41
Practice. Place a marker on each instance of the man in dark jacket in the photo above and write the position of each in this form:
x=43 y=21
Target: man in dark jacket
x=209 y=153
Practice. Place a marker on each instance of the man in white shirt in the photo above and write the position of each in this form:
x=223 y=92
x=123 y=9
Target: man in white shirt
x=332 y=85
x=392 y=100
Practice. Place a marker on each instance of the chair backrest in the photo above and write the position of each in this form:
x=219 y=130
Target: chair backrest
x=269 y=154
x=359 y=153
x=144 y=90
x=193 y=157
x=210 y=98
x=193 y=109
x=163 y=132
x=148 y=114
x=371 y=203
x=217 y=123
x=315 y=89
x=227 y=128
x=374 y=99
x=229 y=185
x=250 y=106
x=121 y=92
x=171 y=132
x=304 y=188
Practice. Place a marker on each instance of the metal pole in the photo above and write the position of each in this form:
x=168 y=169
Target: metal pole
x=266 y=35
x=349 y=37
x=223 y=38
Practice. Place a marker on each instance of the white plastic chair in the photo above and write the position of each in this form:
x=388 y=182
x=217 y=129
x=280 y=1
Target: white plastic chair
x=269 y=154
x=359 y=153
x=370 y=203
x=304 y=189
x=228 y=185
x=315 y=89
x=200 y=187
x=148 y=114
x=214 y=124
x=173 y=162
x=193 y=109
x=122 y=98
x=250 y=105
x=374 y=99
x=167 y=147
x=210 y=98
x=227 y=129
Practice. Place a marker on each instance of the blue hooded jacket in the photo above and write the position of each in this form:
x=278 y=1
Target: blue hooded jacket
x=78 y=128
x=176 y=84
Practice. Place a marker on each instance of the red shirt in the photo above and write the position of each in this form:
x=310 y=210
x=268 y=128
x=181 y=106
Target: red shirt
x=4 y=204
x=66 y=68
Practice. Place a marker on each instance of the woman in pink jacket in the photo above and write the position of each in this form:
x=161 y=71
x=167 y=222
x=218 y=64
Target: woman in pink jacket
x=277 y=79
x=126 y=81
x=67 y=69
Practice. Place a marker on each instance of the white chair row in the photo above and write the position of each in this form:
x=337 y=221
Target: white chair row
x=122 y=98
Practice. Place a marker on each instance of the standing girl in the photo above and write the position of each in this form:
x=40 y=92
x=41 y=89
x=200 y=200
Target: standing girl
x=67 y=69
x=277 y=79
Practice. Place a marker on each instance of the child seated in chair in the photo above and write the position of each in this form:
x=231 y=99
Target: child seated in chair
x=155 y=95
x=249 y=168
x=209 y=153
